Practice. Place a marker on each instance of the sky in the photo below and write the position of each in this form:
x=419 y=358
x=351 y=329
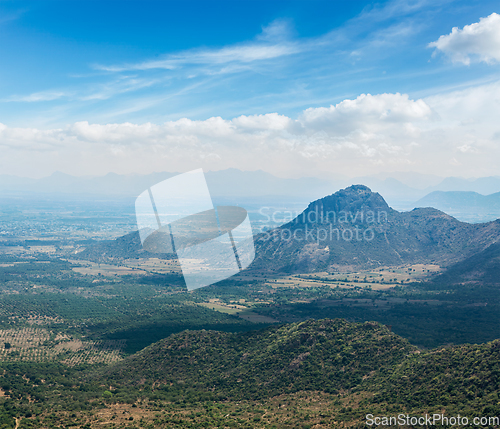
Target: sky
x=311 y=88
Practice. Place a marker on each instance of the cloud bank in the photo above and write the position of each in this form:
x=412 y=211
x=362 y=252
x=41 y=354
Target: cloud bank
x=453 y=133
x=479 y=41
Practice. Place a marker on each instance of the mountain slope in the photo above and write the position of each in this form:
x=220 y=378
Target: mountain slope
x=463 y=378
x=126 y=247
x=483 y=268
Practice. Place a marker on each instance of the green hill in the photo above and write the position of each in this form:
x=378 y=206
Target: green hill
x=326 y=355
x=321 y=374
x=330 y=356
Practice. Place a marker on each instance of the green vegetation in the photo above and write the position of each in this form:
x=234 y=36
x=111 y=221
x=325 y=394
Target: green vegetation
x=100 y=334
x=427 y=317
x=313 y=355
x=315 y=372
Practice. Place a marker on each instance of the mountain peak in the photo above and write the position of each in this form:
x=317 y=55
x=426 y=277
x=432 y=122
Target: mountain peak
x=355 y=198
x=360 y=189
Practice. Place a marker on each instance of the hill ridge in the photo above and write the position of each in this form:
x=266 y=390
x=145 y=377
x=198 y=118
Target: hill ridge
x=327 y=355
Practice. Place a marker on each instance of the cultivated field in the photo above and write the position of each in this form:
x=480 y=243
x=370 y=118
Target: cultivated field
x=41 y=345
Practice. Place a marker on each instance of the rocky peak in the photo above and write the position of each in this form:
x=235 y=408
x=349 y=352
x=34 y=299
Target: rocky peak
x=356 y=200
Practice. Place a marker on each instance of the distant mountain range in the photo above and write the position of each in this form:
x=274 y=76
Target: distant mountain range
x=226 y=183
x=234 y=182
x=402 y=191
x=466 y=205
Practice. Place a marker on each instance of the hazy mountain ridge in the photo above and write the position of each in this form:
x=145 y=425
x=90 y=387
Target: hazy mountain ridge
x=255 y=189
x=234 y=182
x=470 y=206
x=229 y=183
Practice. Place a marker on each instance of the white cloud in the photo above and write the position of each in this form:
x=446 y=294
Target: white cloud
x=269 y=121
x=380 y=108
x=120 y=85
x=369 y=126
x=479 y=41
x=38 y=96
x=272 y=43
x=32 y=139
x=368 y=134
x=231 y=54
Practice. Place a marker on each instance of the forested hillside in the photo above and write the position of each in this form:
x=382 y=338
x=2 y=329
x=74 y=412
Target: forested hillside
x=308 y=374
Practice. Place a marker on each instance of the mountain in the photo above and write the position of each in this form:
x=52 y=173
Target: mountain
x=396 y=192
x=356 y=228
x=482 y=268
x=482 y=185
x=453 y=200
x=467 y=205
x=351 y=229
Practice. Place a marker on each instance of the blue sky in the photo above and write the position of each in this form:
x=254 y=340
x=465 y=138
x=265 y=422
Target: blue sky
x=184 y=75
